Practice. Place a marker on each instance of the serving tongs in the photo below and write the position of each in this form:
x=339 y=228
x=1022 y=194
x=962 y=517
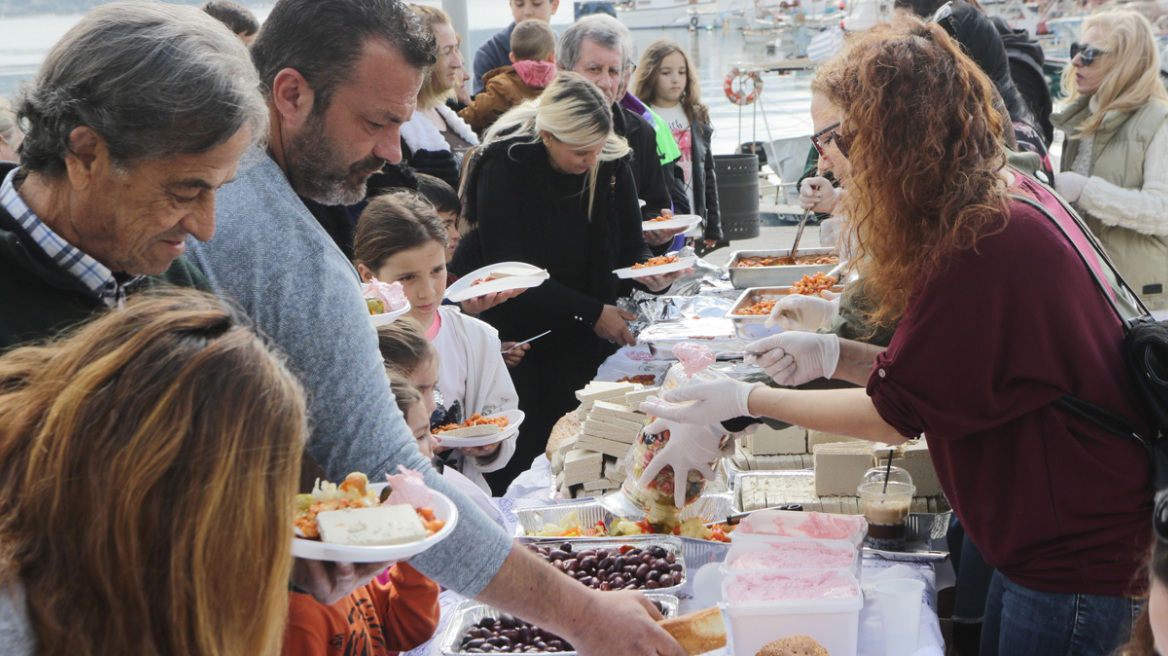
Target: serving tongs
x=735 y=518
x=799 y=234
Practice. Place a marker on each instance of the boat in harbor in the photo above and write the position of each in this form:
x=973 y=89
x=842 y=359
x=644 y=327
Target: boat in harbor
x=656 y=14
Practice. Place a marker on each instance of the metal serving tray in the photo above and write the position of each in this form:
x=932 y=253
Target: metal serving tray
x=470 y=612
x=668 y=542
x=753 y=326
x=775 y=276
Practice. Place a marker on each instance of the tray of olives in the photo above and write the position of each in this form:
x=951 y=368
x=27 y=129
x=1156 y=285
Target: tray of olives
x=653 y=563
x=476 y=628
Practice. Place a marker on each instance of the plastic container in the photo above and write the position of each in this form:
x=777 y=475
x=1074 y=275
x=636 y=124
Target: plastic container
x=833 y=622
x=841 y=547
x=886 y=497
x=766 y=525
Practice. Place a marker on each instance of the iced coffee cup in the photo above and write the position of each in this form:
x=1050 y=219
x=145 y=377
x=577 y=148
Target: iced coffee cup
x=886 y=504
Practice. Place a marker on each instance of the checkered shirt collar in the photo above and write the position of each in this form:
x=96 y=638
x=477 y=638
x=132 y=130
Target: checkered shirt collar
x=92 y=274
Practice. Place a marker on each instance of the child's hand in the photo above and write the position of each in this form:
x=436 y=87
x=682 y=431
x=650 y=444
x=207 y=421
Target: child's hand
x=480 y=451
x=512 y=354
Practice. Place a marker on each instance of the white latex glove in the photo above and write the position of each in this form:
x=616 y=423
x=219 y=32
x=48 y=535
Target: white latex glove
x=794 y=358
x=690 y=446
x=831 y=230
x=713 y=402
x=1070 y=185
x=799 y=312
x=817 y=194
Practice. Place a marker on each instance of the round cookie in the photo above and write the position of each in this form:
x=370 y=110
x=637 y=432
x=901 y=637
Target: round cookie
x=794 y=645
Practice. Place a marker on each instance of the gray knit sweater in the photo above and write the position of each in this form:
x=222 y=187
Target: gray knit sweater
x=272 y=257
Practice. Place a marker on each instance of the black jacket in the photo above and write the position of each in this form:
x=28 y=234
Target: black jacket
x=705 y=185
x=647 y=172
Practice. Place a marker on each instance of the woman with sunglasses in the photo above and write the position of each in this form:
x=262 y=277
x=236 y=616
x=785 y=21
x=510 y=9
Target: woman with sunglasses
x=997 y=318
x=1115 y=158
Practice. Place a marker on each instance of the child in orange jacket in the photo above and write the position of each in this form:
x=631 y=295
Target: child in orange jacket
x=533 y=56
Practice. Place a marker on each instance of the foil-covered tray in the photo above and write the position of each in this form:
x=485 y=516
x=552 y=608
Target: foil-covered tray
x=470 y=613
x=668 y=542
x=775 y=276
x=533 y=520
x=753 y=326
x=714 y=332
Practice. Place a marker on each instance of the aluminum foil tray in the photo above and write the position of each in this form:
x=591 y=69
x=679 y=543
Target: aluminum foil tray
x=469 y=613
x=743 y=478
x=668 y=542
x=753 y=326
x=532 y=520
x=775 y=276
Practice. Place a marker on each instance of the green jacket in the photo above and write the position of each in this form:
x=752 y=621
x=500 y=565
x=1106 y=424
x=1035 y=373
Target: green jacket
x=1120 y=148
x=38 y=300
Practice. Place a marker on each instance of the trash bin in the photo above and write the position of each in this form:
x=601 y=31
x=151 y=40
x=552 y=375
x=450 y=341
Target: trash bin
x=738 y=194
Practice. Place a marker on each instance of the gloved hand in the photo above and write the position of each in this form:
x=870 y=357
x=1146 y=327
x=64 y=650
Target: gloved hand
x=690 y=446
x=817 y=194
x=713 y=402
x=799 y=312
x=1070 y=185
x=794 y=358
x=832 y=230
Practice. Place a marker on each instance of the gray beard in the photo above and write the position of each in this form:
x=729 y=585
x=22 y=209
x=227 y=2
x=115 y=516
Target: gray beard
x=315 y=173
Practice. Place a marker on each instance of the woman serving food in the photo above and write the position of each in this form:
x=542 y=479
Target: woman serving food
x=998 y=318
x=553 y=188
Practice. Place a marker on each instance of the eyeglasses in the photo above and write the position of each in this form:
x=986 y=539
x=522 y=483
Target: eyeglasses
x=1160 y=516
x=1086 y=53
x=841 y=142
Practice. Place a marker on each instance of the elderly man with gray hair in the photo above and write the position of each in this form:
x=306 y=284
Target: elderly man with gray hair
x=137 y=116
x=599 y=48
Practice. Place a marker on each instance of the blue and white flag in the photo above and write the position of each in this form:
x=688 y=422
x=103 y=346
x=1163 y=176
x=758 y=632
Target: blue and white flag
x=826 y=44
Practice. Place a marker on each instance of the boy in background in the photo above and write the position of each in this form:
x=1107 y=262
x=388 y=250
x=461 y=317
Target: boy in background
x=533 y=57
x=235 y=16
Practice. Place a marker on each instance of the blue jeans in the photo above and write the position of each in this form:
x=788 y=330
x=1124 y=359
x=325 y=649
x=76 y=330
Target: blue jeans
x=1027 y=622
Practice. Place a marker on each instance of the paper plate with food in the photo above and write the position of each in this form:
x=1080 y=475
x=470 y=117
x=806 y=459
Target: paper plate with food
x=359 y=522
x=656 y=266
x=498 y=277
x=674 y=222
x=386 y=301
x=479 y=430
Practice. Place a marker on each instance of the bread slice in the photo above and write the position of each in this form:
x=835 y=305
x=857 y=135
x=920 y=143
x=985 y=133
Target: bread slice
x=376 y=526
x=565 y=429
x=698 y=632
x=793 y=645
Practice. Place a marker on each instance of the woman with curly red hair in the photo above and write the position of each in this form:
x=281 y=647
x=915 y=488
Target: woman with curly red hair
x=998 y=317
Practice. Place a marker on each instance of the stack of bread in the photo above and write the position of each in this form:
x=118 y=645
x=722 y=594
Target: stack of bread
x=837 y=464
x=587 y=448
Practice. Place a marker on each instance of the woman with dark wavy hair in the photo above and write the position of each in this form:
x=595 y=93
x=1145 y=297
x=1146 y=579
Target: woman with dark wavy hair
x=998 y=319
x=148 y=464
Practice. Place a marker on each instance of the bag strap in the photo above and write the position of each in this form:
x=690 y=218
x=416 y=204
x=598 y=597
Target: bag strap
x=1112 y=284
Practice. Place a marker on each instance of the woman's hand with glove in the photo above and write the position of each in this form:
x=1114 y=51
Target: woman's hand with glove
x=712 y=402
x=817 y=194
x=794 y=358
x=799 y=312
x=1070 y=185
x=690 y=447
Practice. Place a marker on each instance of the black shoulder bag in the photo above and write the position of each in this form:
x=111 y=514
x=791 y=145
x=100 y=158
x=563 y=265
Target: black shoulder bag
x=1144 y=350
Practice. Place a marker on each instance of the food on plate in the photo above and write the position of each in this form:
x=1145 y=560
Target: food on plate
x=661 y=218
x=479 y=281
x=640 y=379
x=379 y=525
x=784 y=260
x=507 y=633
x=781 y=586
x=623 y=568
x=812 y=285
x=476 y=426
x=656 y=261
x=409 y=488
x=699 y=632
x=758 y=308
x=793 y=645
x=327 y=513
x=382 y=297
x=795 y=554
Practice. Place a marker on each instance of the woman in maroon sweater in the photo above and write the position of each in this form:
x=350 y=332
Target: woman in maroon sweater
x=998 y=318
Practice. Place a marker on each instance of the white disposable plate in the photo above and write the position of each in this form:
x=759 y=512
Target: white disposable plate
x=514 y=417
x=386 y=318
x=629 y=272
x=443 y=508
x=463 y=290
x=686 y=221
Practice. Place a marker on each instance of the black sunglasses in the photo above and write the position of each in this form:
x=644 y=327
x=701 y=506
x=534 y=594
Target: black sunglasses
x=1086 y=53
x=841 y=142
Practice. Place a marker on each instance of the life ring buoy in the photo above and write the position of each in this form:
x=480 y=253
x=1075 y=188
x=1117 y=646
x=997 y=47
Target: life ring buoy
x=742 y=87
